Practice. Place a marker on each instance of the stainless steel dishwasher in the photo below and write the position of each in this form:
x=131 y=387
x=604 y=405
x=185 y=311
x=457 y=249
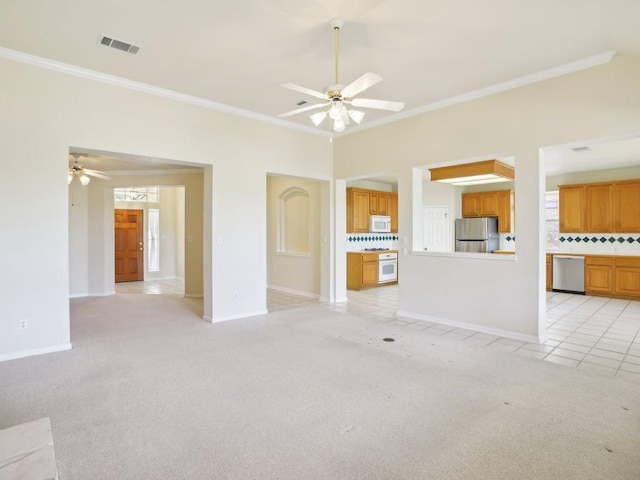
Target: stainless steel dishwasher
x=568 y=273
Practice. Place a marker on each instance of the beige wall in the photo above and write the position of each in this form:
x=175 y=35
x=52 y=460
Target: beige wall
x=44 y=113
x=499 y=295
x=293 y=273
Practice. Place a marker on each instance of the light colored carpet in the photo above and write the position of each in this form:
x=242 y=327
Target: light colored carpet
x=150 y=391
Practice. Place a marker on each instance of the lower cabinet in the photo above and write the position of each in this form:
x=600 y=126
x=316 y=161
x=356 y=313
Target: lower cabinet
x=362 y=270
x=612 y=276
x=598 y=275
x=627 y=276
x=549 y=272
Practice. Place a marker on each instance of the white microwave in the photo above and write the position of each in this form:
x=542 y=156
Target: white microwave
x=379 y=224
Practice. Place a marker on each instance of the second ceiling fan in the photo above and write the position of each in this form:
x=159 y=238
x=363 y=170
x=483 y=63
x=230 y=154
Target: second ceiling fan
x=339 y=98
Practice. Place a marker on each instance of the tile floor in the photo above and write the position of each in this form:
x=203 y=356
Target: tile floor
x=152 y=287
x=589 y=333
x=597 y=334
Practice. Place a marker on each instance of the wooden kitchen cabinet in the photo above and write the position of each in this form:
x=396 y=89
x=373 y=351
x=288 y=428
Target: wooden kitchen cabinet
x=357 y=211
x=627 y=276
x=489 y=204
x=361 y=203
x=470 y=204
x=497 y=203
x=506 y=211
x=598 y=274
x=612 y=276
x=626 y=207
x=604 y=207
x=393 y=211
x=378 y=203
x=598 y=208
x=549 y=272
x=362 y=270
x=572 y=206
x=482 y=204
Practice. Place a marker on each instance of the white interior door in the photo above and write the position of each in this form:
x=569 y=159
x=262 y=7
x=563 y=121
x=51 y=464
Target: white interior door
x=436 y=228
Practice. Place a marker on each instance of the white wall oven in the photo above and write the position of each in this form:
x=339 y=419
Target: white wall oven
x=387 y=267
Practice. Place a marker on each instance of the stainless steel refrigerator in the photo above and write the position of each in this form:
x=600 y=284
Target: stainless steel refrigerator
x=477 y=235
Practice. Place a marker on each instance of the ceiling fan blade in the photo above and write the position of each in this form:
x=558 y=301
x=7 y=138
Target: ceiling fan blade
x=306 y=91
x=367 y=80
x=303 y=109
x=379 y=104
x=95 y=173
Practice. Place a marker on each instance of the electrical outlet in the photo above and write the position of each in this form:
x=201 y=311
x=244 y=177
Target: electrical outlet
x=24 y=324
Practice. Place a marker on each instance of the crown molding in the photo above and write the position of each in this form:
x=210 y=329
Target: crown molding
x=56 y=66
x=174 y=171
x=576 y=66
x=42 y=62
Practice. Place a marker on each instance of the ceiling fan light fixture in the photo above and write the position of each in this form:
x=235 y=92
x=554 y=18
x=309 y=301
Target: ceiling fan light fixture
x=70 y=176
x=356 y=115
x=84 y=180
x=338 y=125
x=335 y=112
x=318 y=118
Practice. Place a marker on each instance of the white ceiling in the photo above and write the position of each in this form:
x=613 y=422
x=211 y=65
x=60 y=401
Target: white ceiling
x=237 y=53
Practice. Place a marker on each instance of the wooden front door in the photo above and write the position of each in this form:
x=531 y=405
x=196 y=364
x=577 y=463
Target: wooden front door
x=129 y=245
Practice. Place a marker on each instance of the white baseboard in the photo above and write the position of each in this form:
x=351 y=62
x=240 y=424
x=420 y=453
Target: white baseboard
x=471 y=326
x=35 y=351
x=193 y=295
x=293 y=291
x=207 y=318
x=101 y=294
x=78 y=295
x=236 y=317
x=341 y=299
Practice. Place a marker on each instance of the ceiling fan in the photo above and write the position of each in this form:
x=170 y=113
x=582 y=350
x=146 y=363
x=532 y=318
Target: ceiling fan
x=338 y=99
x=82 y=174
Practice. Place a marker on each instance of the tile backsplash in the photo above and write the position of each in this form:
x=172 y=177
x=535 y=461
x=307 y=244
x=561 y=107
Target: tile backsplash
x=605 y=243
x=356 y=242
x=507 y=241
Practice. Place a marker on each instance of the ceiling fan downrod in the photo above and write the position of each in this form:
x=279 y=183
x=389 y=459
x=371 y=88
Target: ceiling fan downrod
x=337 y=24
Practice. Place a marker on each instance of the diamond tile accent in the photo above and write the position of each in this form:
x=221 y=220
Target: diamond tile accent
x=562 y=239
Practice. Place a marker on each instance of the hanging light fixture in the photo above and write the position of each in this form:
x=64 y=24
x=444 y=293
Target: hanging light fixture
x=488 y=171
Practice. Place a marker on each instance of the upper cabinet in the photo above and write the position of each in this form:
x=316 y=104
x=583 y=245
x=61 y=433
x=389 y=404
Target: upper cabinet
x=626 y=207
x=393 y=211
x=378 y=203
x=357 y=211
x=598 y=208
x=361 y=203
x=497 y=203
x=606 y=207
x=572 y=202
x=506 y=211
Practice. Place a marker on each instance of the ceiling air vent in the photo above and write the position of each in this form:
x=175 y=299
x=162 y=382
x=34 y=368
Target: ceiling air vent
x=303 y=102
x=118 y=44
x=581 y=149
